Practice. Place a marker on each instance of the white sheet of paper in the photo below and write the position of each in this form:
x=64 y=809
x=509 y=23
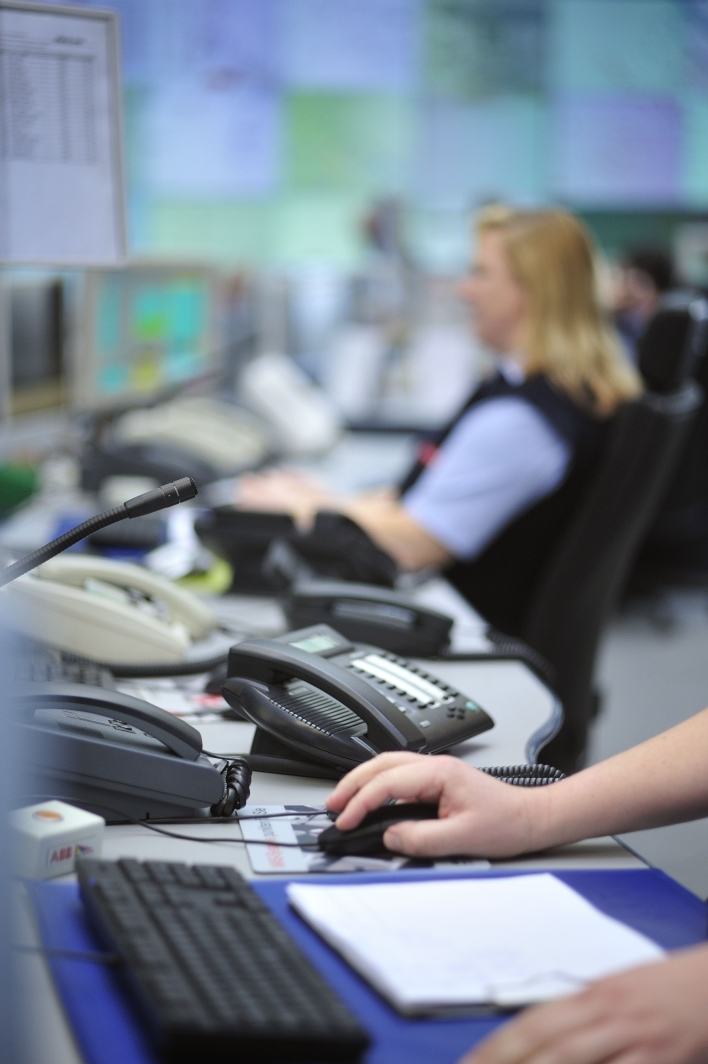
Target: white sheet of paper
x=503 y=941
x=61 y=192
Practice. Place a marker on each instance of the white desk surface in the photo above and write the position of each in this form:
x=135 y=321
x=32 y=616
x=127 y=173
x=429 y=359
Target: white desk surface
x=518 y=702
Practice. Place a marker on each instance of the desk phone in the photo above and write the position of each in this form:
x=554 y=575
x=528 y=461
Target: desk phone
x=335 y=703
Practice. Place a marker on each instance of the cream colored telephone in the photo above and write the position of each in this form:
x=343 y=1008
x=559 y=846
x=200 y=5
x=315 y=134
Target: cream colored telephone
x=106 y=610
x=225 y=436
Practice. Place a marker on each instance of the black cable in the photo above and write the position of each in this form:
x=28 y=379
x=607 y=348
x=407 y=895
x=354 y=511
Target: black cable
x=238 y=775
x=516 y=775
x=188 y=838
x=239 y=817
x=272 y=816
x=151 y=501
x=195 y=838
x=525 y=775
x=508 y=648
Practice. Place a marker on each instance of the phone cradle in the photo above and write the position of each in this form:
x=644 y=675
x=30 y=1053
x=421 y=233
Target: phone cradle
x=269 y=754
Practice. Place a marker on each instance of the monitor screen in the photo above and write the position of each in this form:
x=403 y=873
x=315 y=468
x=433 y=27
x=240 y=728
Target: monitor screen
x=143 y=331
x=36 y=343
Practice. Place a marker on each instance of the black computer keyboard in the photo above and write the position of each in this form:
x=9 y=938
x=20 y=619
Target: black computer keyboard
x=211 y=969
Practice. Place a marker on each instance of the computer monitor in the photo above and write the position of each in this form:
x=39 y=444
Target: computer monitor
x=36 y=344
x=143 y=331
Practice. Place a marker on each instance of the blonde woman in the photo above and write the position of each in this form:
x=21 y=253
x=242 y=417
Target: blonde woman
x=491 y=497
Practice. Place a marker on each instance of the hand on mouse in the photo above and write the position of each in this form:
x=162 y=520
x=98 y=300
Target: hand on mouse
x=478 y=815
x=656 y=1014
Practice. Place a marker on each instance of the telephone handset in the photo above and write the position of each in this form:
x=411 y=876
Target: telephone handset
x=114 y=754
x=111 y=611
x=368 y=613
x=132 y=714
x=314 y=694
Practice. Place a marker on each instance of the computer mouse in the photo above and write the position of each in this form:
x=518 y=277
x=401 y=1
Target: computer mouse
x=366 y=839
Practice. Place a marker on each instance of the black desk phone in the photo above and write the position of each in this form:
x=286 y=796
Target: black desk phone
x=323 y=704
x=116 y=755
x=369 y=614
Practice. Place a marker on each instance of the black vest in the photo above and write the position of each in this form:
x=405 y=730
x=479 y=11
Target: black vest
x=501 y=581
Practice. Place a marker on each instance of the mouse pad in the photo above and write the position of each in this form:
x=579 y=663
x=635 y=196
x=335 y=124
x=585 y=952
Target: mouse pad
x=107 y=1031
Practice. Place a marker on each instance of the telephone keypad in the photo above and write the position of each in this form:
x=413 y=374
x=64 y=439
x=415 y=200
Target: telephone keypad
x=416 y=693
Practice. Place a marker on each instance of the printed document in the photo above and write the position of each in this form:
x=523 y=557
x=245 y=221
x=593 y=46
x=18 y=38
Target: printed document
x=61 y=190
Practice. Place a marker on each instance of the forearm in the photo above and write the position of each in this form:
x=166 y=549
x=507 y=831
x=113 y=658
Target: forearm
x=662 y=781
x=394 y=531
x=379 y=514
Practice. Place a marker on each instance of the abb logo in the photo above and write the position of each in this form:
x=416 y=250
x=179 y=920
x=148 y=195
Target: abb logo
x=64 y=853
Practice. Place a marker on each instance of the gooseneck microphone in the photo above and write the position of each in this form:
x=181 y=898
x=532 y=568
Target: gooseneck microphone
x=149 y=503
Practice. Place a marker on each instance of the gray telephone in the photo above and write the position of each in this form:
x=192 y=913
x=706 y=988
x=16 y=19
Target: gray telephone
x=99 y=748
x=120 y=756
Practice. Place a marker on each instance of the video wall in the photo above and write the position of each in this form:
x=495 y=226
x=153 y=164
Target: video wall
x=260 y=131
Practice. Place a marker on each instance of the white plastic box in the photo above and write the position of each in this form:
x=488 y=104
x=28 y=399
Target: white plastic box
x=48 y=836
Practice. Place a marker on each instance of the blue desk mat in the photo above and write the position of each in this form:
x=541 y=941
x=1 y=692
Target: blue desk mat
x=107 y=1031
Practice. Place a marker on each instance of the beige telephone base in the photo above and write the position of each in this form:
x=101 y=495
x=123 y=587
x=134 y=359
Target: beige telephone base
x=81 y=604
x=224 y=435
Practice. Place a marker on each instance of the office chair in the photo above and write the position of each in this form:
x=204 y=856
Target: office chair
x=674 y=342
x=586 y=574
x=673 y=349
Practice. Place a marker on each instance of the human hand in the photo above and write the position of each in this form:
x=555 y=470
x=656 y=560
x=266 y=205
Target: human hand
x=477 y=815
x=283 y=491
x=656 y=1014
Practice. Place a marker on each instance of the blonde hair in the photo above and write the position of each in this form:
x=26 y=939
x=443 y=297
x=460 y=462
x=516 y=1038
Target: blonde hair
x=553 y=257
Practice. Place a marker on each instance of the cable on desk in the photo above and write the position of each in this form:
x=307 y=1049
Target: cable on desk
x=525 y=775
x=239 y=817
x=516 y=775
x=190 y=838
x=237 y=775
x=508 y=648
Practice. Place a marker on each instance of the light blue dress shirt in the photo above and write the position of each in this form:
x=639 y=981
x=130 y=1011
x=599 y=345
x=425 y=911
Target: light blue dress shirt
x=501 y=458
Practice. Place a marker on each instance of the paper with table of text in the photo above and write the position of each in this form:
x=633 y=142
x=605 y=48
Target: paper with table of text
x=61 y=183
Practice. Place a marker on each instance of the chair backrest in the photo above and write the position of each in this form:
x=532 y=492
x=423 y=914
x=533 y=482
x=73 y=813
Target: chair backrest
x=674 y=341
x=674 y=348
x=587 y=571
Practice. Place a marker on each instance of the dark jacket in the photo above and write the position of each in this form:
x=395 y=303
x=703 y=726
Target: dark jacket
x=500 y=582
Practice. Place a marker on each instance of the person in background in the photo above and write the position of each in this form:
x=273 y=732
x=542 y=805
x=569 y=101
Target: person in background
x=489 y=500
x=642 y=275
x=655 y=1014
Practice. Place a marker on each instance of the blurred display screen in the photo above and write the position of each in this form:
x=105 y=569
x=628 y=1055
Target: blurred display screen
x=278 y=121
x=142 y=331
